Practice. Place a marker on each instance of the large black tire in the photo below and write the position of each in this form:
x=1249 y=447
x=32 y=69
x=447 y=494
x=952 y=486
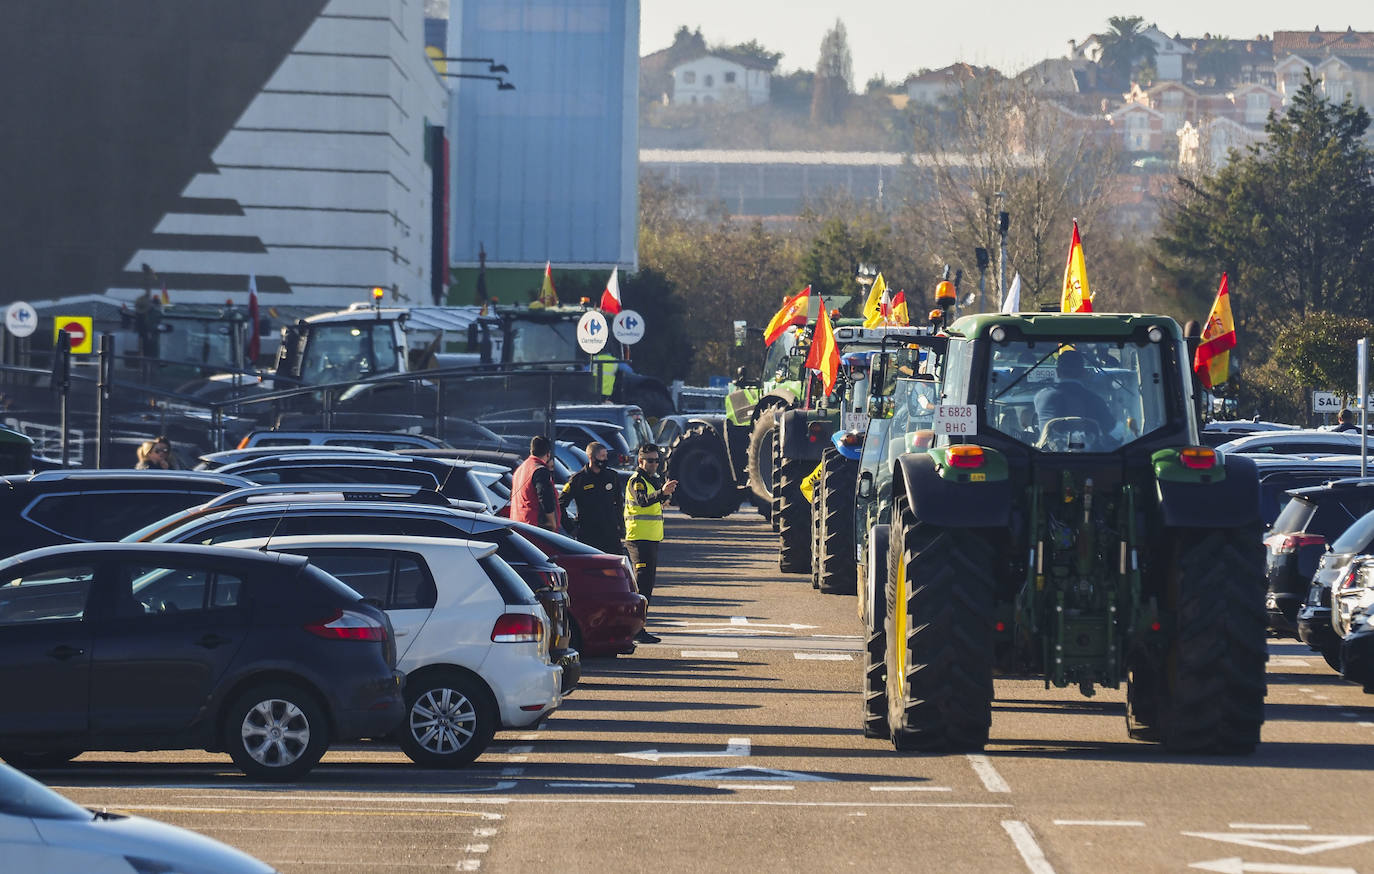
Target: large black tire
x=705 y=486
x=875 y=638
x=836 y=523
x=450 y=720
x=816 y=537
x=793 y=518
x=761 y=451
x=1214 y=674
x=276 y=732
x=939 y=654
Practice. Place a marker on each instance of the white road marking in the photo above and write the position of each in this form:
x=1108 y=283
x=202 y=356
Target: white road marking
x=520 y=750
x=739 y=620
x=992 y=781
x=1287 y=843
x=1320 y=698
x=709 y=654
x=1236 y=865
x=823 y=656
x=738 y=786
x=909 y=789
x=1253 y=827
x=1124 y=823
x=1365 y=724
x=470 y=865
x=590 y=785
x=1304 y=689
x=737 y=746
x=837 y=636
x=1025 y=843
x=529 y=737
x=476 y=848
x=485 y=832
x=1288 y=662
x=752 y=773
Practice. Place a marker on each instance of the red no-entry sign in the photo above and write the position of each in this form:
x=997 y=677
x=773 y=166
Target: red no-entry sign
x=78 y=330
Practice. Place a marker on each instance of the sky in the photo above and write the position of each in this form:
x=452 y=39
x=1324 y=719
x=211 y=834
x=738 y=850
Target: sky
x=893 y=38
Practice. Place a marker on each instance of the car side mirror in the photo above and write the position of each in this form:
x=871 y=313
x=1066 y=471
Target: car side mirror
x=866 y=484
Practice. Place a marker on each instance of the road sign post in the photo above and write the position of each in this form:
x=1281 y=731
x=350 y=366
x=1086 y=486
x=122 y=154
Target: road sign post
x=1362 y=377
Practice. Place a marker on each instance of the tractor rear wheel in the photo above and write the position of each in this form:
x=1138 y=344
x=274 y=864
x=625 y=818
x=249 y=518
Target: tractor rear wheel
x=761 y=452
x=939 y=655
x=875 y=637
x=794 y=519
x=706 y=488
x=1214 y=677
x=836 y=523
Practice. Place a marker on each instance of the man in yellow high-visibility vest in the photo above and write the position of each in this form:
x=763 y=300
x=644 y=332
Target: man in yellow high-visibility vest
x=645 y=495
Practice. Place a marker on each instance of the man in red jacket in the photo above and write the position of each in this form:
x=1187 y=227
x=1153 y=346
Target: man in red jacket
x=533 y=498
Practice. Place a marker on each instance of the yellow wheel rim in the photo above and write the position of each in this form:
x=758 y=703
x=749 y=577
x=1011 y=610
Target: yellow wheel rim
x=900 y=624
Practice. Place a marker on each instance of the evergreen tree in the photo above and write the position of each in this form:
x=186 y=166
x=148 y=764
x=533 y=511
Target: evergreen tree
x=1125 y=47
x=834 y=77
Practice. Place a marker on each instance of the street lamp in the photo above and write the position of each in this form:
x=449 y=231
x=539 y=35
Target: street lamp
x=502 y=86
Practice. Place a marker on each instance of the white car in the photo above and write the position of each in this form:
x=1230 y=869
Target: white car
x=1301 y=442
x=470 y=637
x=42 y=831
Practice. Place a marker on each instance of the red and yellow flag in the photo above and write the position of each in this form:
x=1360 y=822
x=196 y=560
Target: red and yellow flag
x=873 y=307
x=824 y=356
x=1077 y=297
x=547 y=296
x=899 y=314
x=1212 y=363
x=793 y=312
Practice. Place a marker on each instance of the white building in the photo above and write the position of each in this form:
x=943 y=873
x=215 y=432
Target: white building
x=720 y=78
x=1209 y=143
x=1169 y=52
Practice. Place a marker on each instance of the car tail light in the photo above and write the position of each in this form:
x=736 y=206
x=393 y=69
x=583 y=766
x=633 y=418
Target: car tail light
x=1351 y=576
x=1198 y=457
x=609 y=572
x=966 y=455
x=348 y=625
x=517 y=628
x=1283 y=544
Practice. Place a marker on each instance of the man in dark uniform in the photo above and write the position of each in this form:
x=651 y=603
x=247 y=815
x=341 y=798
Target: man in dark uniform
x=600 y=505
x=1069 y=397
x=645 y=496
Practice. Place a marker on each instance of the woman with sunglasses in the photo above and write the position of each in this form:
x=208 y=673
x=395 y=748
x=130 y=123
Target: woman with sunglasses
x=154 y=455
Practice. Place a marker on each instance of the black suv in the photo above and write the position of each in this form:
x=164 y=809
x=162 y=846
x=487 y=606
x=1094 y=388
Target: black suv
x=280 y=518
x=139 y=646
x=71 y=506
x=1313 y=517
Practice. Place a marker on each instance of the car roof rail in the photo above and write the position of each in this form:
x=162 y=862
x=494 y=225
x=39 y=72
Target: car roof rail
x=332 y=492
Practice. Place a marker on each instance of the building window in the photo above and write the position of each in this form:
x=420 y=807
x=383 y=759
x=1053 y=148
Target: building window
x=689 y=77
x=710 y=80
x=1256 y=108
x=729 y=78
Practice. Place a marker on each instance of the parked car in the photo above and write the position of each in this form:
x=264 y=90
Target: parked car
x=1313 y=517
x=42 y=831
x=1315 y=624
x=347 y=514
x=216 y=460
x=136 y=646
x=74 y=506
x=389 y=440
x=607 y=609
x=1303 y=442
x=460 y=480
x=1353 y=596
x=471 y=638
x=1356 y=604
x=633 y=424
x=1279 y=474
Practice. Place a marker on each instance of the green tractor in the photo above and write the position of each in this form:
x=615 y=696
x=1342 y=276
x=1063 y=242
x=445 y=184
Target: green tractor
x=1067 y=524
x=714 y=458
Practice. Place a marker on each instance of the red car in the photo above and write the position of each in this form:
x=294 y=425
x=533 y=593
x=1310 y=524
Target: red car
x=607 y=610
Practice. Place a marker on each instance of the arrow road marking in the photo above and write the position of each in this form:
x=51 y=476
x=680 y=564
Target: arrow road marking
x=1235 y=865
x=1286 y=843
x=752 y=773
x=738 y=746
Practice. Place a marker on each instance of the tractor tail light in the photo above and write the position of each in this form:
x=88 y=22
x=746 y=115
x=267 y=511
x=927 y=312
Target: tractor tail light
x=966 y=456
x=1198 y=457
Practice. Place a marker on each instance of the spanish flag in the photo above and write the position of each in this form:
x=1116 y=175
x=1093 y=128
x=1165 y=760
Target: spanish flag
x=824 y=357
x=899 y=315
x=1212 y=363
x=793 y=312
x=1077 y=297
x=547 y=296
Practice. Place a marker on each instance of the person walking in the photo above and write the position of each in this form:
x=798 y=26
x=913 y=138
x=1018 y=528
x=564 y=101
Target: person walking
x=600 y=505
x=1346 y=418
x=533 y=499
x=645 y=495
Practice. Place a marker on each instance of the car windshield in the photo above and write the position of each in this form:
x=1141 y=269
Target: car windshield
x=348 y=351
x=1091 y=396
x=775 y=363
x=543 y=341
x=1356 y=538
x=21 y=795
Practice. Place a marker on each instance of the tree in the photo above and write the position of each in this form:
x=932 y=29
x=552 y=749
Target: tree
x=1125 y=46
x=755 y=51
x=1291 y=219
x=1316 y=353
x=834 y=77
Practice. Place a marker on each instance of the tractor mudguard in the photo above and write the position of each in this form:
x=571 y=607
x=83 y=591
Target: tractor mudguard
x=948 y=502
x=797 y=438
x=1226 y=501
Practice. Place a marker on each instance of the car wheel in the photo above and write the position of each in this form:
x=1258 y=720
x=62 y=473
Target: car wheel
x=50 y=759
x=276 y=732
x=449 y=720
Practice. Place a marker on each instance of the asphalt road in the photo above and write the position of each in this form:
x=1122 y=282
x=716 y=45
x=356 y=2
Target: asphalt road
x=734 y=745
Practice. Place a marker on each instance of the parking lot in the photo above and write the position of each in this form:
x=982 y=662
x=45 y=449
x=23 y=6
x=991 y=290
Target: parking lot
x=735 y=744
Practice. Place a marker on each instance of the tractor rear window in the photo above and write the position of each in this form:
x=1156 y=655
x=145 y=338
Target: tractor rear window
x=1089 y=396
